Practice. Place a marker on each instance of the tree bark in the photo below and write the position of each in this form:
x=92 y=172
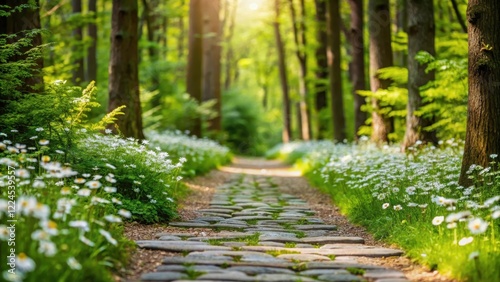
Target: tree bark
x=321 y=73
x=483 y=118
x=153 y=27
x=401 y=57
x=123 y=68
x=92 y=49
x=78 y=56
x=358 y=63
x=338 y=118
x=380 y=57
x=299 y=35
x=195 y=58
x=283 y=75
x=421 y=37
x=19 y=23
x=211 y=61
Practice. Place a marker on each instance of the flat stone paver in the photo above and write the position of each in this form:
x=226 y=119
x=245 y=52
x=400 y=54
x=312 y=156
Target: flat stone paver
x=264 y=235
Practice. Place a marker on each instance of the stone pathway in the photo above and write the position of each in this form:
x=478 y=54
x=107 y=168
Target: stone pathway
x=264 y=235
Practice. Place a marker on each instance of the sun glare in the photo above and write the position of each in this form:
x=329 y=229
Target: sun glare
x=253 y=6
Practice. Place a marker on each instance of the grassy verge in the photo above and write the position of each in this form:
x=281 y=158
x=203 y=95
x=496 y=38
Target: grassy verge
x=414 y=201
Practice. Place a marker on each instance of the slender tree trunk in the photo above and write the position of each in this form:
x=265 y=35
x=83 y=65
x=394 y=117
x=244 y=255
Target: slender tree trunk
x=459 y=16
x=358 y=63
x=299 y=35
x=401 y=57
x=163 y=37
x=338 y=118
x=78 y=57
x=92 y=49
x=211 y=61
x=321 y=73
x=19 y=23
x=229 y=49
x=483 y=118
x=380 y=57
x=123 y=68
x=421 y=37
x=195 y=58
x=153 y=27
x=180 y=39
x=287 y=130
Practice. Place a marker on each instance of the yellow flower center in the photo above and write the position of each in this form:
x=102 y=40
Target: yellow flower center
x=51 y=224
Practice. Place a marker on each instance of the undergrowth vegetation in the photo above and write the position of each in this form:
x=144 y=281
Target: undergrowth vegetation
x=68 y=185
x=413 y=200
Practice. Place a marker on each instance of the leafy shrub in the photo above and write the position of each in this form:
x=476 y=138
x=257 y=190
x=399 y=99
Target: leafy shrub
x=249 y=126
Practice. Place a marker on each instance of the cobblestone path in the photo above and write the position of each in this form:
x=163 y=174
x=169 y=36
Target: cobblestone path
x=264 y=235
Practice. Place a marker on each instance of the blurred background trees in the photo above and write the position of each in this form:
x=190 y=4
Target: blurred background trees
x=219 y=69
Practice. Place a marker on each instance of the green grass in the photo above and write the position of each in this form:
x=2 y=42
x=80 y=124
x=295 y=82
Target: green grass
x=356 y=271
x=250 y=240
x=276 y=253
x=411 y=200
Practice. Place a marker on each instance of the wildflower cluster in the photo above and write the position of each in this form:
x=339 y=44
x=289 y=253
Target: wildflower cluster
x=415 y=201
x=200 y=154
x=146 y=181
x=64 y=222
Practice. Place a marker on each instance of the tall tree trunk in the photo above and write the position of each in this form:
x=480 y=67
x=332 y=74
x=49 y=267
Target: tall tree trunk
x=77 y=52
x=231 y=17
x=380 y=57
x=421 y=37
x=153 y=27
x=299 y=35
x=287 y=130
x=180 y=38
x=18 y=23
x=163 y=38
x=211 y=61
x=338 y=118
x=123 y=68
x=401 y=57
x=358 y=62
x=92 y=49
x=195 y=58
x=321 y=73
x=483 y=118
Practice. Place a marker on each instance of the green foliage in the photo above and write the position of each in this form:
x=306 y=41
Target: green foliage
x=175 y=111
x=447 y=95
x=16 y=63
x=251 y=131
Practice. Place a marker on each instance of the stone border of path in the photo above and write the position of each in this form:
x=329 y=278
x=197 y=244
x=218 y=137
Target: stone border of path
x=264 y=235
